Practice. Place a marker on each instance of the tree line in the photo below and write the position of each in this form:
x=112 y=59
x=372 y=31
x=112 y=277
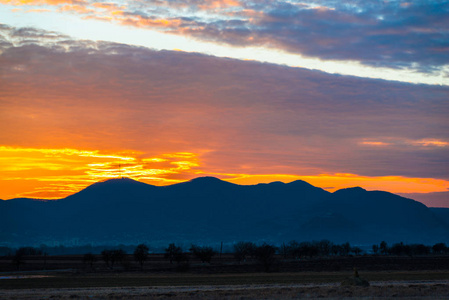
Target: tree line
x=265 y=254
x=409 y=249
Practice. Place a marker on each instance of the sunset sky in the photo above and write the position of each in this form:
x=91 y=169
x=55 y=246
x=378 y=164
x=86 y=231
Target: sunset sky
x=336 y=93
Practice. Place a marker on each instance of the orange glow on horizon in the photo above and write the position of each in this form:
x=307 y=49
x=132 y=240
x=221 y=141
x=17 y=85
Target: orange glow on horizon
x=57 y=173
x=333 y=182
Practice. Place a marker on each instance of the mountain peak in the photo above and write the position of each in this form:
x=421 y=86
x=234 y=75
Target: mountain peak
x=351 y=190
x=277 y=183
x=208 y=180
x=121 y=185
x=300 y=183
x=121 y=179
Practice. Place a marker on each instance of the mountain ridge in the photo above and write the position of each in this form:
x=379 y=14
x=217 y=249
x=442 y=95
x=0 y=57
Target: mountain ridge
x=208 y=209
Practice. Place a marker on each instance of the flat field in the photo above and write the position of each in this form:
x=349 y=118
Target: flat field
x=226 y=280
x=384 y=285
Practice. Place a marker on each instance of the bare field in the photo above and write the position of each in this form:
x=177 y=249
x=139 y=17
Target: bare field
x=174 y=279
x=66 y=277
x=227 y=264
x=384 y=285
x=378 y=290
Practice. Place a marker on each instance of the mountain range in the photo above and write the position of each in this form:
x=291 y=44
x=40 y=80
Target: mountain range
x=207 y=210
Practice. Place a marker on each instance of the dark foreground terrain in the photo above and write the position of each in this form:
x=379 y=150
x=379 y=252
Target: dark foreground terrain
x=69 y=278
x=384 y=285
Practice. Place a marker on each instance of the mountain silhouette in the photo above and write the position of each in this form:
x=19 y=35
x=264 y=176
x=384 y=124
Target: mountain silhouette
x=442 y=214
x=209 y=210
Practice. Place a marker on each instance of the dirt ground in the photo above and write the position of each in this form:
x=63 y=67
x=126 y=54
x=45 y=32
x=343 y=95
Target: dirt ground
x=66 y=277
x=377 y=290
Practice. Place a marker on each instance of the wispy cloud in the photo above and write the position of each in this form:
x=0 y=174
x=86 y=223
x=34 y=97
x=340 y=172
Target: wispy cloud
x=393 y=34
x=399 y=142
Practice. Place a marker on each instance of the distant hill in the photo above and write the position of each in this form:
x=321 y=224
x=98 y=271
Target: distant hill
x=442 y=213
x=208 y=210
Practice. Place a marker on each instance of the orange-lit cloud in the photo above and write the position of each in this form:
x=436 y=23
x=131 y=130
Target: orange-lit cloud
x=62 y=172
x=430 y=143
x=56 y=173
x=216 y=4
x=140 y=21
x=394 y=142
x=76 y=8
x=373 y=143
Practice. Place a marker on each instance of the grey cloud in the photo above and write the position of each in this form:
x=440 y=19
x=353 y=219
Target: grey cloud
x=386 y=34
x=393 y=34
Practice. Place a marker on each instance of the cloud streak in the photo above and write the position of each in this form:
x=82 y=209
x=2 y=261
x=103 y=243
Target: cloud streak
x=394 y=34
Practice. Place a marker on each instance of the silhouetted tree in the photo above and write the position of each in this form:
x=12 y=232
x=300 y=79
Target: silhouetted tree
x=265 y=255
x=141 y=254
x=309 y=249
x=356 y=250
x=397 y=249
x=284 y=250
x=243 y=249
x=181 y=258
x=294 y=249
x=346 y=249
x=383 y=248
x=205 y=254
x=118 y=256
x=324 y=247
x=375 y=249
x=439 y=248
x=400 y=249
x=419 y=249
x=43 y=248
x=336 y=250
x=45 y=254
x=90 y=259
x=106 y=255
x=18 y=258
x=175 y=253
x=30 y=251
